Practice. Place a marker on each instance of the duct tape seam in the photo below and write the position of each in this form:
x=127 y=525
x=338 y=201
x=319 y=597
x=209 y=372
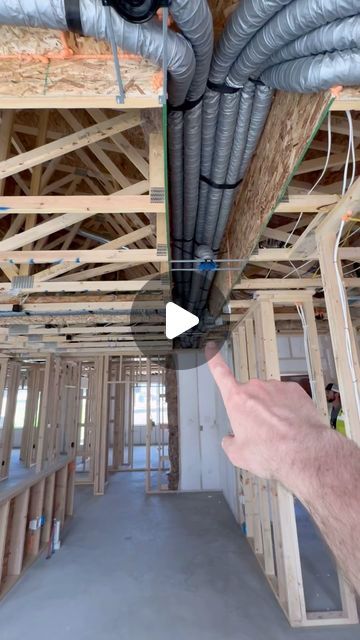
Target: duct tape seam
x=187 y=105
x=222 y=186
x=72 y=16
x=222 y=88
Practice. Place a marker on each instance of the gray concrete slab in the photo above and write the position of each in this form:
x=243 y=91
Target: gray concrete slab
x=172 y=567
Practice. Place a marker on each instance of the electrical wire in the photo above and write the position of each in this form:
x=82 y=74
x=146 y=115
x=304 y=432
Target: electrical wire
x=317 y=181
x=351 y=149
x=343 y=304
x=296 y=269
x=305 y=327
x=352 y=271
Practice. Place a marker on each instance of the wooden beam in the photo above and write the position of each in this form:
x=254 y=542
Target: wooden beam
x=79 y=204
x=80 y=330
x=338 y=331
x=84 y=286
x=68 y=144
x=98 y=152
x=341 y=125
x=285 y=255
x=7 y=123
x=348 y=99
x=317 y=164
x=54 y=101
x=81 y=257
x=124 y=145
x=289 y=130
x=252 y=284
x=42 y=230
x=349 y=205
x=95 y=272
x=113 y=305
x=277 y=283
x=306 y=203
x=124 y=240
x=35 y=183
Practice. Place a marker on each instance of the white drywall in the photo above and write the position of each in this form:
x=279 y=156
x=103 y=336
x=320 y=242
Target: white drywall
x=199 y=439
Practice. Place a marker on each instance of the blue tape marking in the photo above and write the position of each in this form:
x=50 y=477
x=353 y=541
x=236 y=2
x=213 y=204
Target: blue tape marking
x=5 y=208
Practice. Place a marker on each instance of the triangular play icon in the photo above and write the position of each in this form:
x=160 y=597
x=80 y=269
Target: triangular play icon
x=178 y=320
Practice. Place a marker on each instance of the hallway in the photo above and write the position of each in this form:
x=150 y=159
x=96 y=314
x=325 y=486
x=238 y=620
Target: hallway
x=170 y=567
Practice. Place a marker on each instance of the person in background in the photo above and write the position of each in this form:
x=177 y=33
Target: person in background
x=333 y=396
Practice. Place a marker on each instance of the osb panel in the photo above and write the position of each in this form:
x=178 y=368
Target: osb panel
x=221 y=10
x=292 y=122
x=28 y=67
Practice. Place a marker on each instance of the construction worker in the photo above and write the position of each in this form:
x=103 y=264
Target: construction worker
x=340 y=423
x=333 y=396
x=285 y=438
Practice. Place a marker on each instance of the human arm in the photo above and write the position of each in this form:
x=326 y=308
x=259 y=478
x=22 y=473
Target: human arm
x=279 y=434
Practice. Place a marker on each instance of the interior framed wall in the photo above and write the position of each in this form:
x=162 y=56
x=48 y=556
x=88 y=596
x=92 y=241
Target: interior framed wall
x=266 y=510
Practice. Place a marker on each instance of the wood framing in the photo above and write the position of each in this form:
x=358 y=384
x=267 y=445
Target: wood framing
x=272 y=530
x=87 y=218
x=27 y=509
x=12 y=384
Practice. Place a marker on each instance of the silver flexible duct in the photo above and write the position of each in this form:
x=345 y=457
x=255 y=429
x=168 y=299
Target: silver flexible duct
x=336 y=36
x=250 y=43
x=242 y=25
x=229 y=107
x=211 y=104
x=194 y=18
x=296 y=19
x=315 y=73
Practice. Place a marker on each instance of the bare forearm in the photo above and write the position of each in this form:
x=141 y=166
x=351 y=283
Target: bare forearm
x=325 y=475
x=278 y=433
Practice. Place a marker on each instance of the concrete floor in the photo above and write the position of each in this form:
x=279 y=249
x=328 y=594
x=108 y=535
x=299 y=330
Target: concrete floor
x=150 y=568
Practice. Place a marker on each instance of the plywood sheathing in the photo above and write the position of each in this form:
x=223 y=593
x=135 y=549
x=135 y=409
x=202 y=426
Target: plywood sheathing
x=24 y=77
x=290 y=127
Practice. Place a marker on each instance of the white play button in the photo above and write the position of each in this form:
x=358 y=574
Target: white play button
x=178 y=320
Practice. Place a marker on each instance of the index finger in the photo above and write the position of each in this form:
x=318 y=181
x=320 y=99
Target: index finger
x=220 y=371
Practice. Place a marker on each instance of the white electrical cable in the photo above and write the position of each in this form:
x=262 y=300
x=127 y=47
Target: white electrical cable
x=352 y=271
x=318 y=180
x=296 y=269
x=351 y=149
x=305 y=327
x=353 y=233
x=343 y=304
